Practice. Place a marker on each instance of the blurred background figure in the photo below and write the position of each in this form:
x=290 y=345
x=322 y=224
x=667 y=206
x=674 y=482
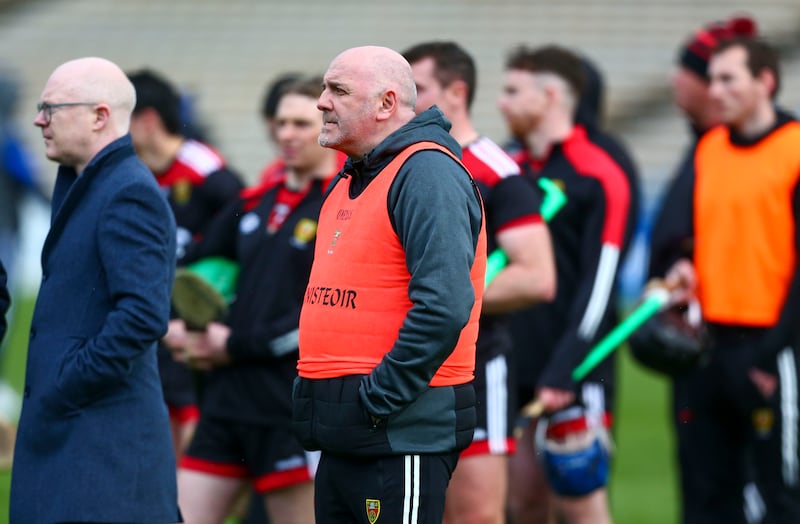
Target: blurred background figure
x=738 y=415
x=274 y=171
x=21 y=195
x=539 y=100
x=690 y=94
x=445 y=76
x=18 y=178
x=199 y=184
x=269 y=230
x=270 y=100
x=671 y=239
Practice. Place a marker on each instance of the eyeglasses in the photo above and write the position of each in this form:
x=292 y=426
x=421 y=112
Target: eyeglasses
x=47 y=108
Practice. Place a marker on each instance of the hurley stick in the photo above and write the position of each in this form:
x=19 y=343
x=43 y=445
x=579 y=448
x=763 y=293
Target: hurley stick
x=656 y=298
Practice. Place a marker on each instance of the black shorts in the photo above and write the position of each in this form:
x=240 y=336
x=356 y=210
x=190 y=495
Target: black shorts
x=270 y=457
x=495 y=406
x=399 y=489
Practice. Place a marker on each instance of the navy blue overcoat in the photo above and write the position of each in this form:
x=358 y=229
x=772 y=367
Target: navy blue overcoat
x=93 y=442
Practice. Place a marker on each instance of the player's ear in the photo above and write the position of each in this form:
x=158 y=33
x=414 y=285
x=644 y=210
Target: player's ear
x=767 y=78
x=458 y=88
x=388 y=105
x=102 y=115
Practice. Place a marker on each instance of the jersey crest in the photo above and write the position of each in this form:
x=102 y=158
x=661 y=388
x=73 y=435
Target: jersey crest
x=181 y=192
x=304 y=232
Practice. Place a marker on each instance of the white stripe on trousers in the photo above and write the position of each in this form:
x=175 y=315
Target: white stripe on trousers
x=754 y=508
x=411 y=498
x=497 y=404
x=787 y=375
x=312 y=462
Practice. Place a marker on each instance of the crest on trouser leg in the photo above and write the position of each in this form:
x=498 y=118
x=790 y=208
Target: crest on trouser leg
x=373 y=510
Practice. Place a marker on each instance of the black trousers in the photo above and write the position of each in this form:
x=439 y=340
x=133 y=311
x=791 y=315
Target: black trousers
x=730 y=436
x=401 y=489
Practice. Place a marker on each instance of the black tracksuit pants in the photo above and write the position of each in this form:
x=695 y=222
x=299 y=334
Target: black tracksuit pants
x=400 y=489
x=728 y=435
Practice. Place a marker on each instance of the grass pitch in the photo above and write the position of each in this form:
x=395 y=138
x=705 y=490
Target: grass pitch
x=644 y=487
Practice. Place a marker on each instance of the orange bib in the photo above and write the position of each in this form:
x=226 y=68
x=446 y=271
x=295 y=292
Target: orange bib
x=744 y=225
x=357 y=296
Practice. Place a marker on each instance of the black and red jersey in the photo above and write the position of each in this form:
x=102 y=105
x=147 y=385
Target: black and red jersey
x=198 y=185
x=588 y=235
x=509 y=201
x=271 y=235
x=622 y=157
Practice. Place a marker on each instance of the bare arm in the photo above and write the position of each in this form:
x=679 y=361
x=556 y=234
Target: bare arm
x=529 y=277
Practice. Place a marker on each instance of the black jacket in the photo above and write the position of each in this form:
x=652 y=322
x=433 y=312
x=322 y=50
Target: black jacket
x=274 y=267
x=435 y=210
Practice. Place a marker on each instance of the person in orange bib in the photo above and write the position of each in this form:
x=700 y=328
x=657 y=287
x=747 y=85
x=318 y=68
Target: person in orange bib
x=390 y=316
x=741 y=411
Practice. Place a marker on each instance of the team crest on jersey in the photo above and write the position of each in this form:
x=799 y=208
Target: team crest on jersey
x=763 y=420
x=304 y=231
x=373 y=510
x=181 y=191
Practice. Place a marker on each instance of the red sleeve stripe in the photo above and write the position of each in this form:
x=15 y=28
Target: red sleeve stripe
x=591 y=161
x=527 y=220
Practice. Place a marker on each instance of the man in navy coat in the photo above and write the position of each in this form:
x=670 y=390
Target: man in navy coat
x=93 y=441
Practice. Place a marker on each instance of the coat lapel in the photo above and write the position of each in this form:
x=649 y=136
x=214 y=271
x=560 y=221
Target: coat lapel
x=71 y=189
x=67 y=195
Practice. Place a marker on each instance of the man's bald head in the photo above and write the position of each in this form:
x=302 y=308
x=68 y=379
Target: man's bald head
x=86 y=105
x=100 y=81
x=383 y=69
x=369 y=93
